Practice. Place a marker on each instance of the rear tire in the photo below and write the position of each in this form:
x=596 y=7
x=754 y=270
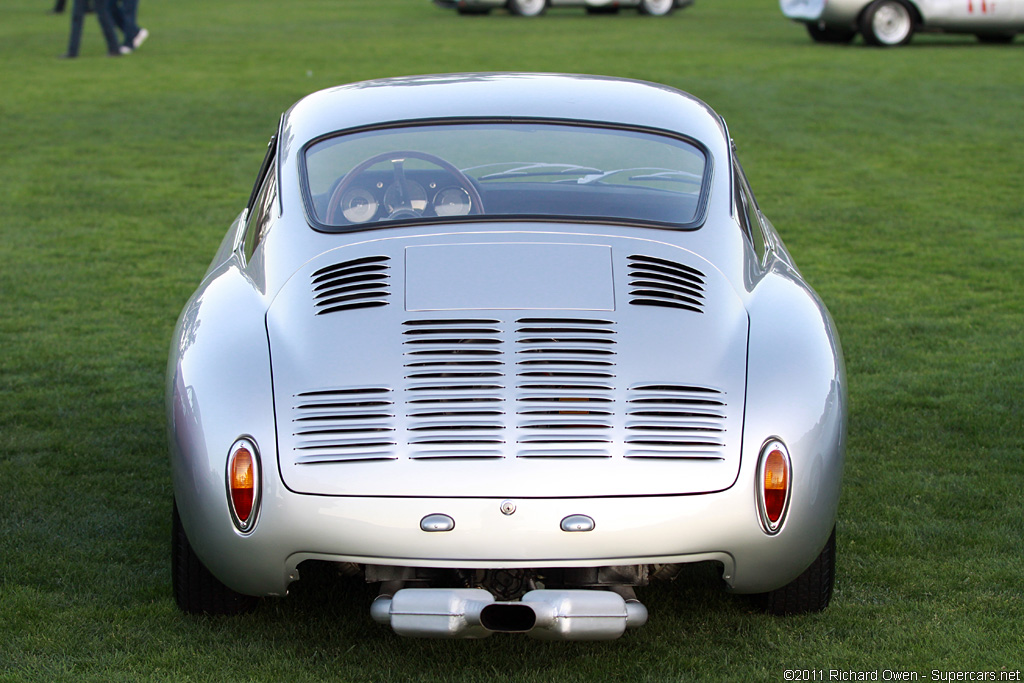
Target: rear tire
x=808 y=593
x=527 y=8
x=196 y=590
x=830 y=34
x=657 y=8
x=473 y=11
x=887 y=23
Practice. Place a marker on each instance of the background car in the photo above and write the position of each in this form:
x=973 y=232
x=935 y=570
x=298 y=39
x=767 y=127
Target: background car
x=509 y=346
x=894 y=22
x=532 y=8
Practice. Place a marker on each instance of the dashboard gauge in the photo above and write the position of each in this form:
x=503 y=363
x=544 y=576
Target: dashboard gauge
x=452 y=201
x=358 y=206
x=414 y=197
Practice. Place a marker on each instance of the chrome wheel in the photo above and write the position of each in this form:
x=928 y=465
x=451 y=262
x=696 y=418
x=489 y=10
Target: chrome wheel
x=657 y=8
x=888 y=23
x=527 y=8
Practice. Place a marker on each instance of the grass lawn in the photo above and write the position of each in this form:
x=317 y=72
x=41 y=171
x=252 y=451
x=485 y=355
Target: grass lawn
x=895 y=177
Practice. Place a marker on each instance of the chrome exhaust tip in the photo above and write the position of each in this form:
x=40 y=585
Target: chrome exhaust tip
x=542 y=614
x=508 y=617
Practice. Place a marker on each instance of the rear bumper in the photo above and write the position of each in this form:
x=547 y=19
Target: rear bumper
x=723 y=527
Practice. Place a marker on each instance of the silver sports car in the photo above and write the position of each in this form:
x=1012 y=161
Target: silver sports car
x=893 y=22
x=533 y=8
x=509 y=346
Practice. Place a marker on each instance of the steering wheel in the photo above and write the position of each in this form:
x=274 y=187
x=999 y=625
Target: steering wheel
x=335 y=214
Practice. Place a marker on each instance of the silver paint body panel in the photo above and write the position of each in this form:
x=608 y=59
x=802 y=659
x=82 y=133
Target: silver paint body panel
x=509 y=276
x=248 y=343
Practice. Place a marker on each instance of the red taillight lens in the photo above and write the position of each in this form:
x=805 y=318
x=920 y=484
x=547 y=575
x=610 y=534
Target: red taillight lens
x=243 y=478
x=774 y=484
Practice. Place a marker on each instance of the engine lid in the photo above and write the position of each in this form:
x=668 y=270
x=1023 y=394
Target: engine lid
x=447 y=367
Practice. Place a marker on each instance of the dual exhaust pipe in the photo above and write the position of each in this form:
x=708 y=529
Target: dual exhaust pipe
x=541 y=614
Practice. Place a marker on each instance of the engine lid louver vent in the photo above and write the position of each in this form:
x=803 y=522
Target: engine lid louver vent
x=565 y=387
x=660 y=282
x=675 y=421
x=359 y=283
x=455 y=394
x=455 y=384
x=344 y=425
x=468 y=374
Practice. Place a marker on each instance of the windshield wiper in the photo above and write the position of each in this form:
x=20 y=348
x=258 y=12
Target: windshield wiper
x=535 y=170
x=667 y=174
x=583 y=175
x=663 y=174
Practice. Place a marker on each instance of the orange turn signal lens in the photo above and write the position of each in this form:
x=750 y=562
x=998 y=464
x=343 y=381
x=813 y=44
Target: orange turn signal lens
x=775 y=484
x=241 y=483
x=243 y=477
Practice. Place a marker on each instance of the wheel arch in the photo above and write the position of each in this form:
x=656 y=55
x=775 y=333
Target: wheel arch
x=219 y=388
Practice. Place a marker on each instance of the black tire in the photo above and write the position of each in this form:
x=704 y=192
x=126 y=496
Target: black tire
x=196 y=590
x=888 y=23
x=656 y=8
x=830 y=34
x=810 y=592
x=603 y=9
x=527 y=8
x=473 y=11
x=995 y=38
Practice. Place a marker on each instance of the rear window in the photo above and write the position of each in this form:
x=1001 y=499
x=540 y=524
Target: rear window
x=503 y=171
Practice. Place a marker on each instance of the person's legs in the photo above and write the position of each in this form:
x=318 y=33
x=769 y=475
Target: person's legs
x=127 y=10
x=77 y=18
x=107 y=26
x=117 y=16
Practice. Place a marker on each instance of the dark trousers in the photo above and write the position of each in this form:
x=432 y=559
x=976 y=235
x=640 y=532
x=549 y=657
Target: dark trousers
x=78 y=10
x=123 y=13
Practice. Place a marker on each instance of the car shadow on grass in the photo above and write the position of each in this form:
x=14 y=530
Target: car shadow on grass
x=324 y=630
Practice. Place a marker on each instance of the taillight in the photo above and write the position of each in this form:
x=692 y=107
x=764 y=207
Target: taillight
x=243 y=480
x=774 y=482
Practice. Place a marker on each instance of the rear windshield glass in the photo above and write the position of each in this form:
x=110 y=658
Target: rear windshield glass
x=522 y=170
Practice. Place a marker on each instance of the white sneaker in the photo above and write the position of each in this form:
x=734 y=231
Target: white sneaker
x=125 y=50
x=140 y=38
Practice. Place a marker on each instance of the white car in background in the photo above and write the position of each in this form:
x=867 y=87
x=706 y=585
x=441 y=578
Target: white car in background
x=889 y=23
x=533 y=8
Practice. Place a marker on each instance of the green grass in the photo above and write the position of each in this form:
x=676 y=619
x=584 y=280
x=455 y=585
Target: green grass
x=893 y=175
